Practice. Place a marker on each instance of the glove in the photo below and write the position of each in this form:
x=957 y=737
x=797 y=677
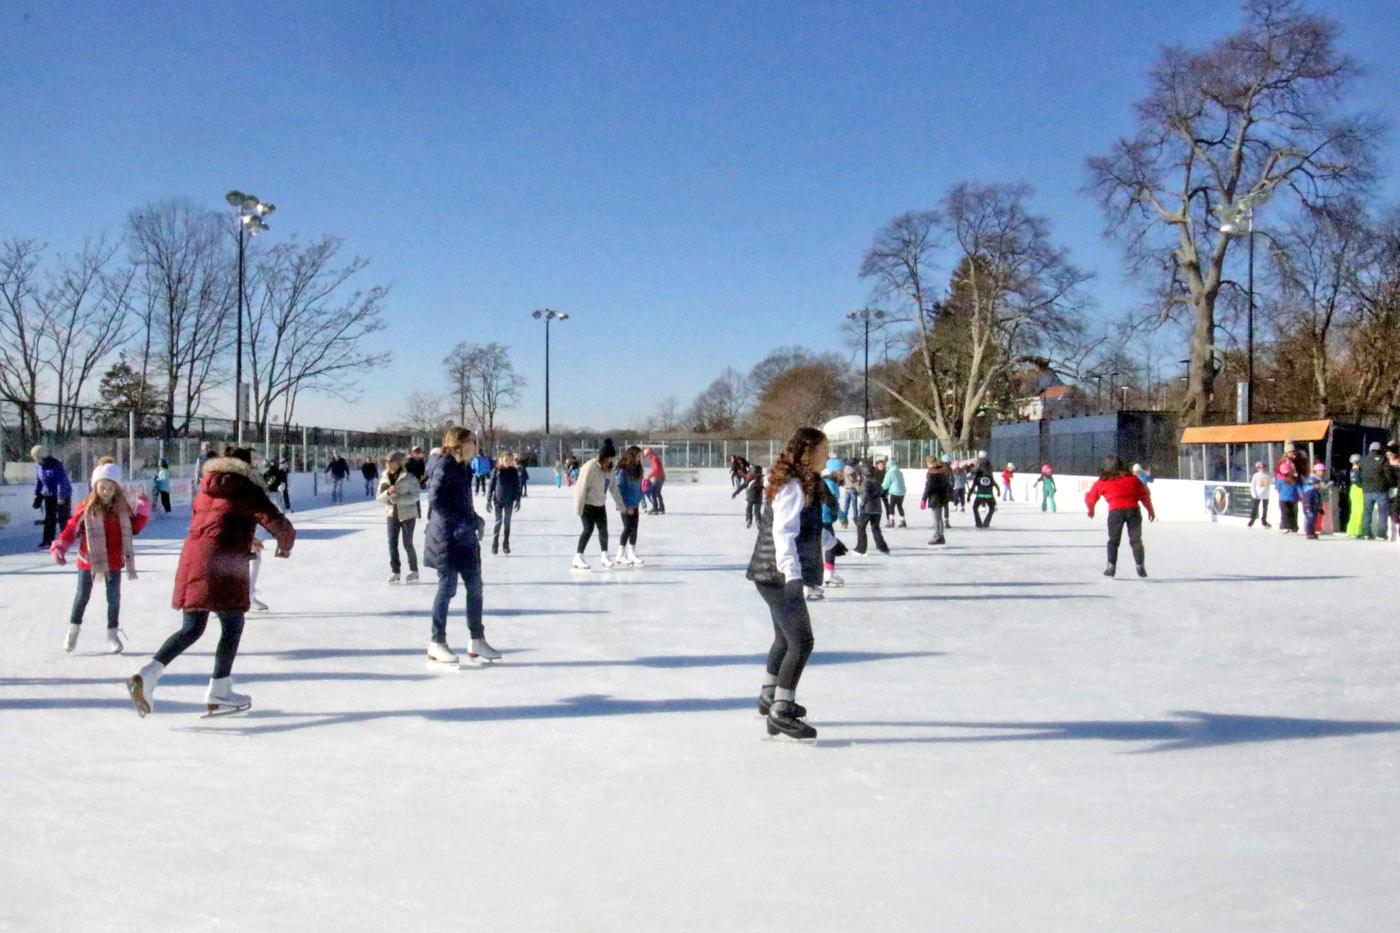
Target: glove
x=1091 y=513
x=923 y=504
x=57 y=553
x=38 y=502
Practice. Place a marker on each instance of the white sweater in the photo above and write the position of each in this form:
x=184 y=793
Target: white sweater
x=787 y=522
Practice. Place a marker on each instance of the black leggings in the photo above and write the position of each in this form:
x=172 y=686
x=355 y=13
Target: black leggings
x=752 y=512
x=1132 y=518
x=1288 y=512
x=894 y=504
x=978 y=504
x=630 y=520
x=594 y=516
x=193 y=628
x=165 y=500
x=792 y=632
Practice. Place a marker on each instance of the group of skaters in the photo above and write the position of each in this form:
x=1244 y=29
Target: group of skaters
x=1368 y=500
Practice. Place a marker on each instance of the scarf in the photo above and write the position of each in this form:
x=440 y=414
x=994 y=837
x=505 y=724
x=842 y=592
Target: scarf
x=95 y=528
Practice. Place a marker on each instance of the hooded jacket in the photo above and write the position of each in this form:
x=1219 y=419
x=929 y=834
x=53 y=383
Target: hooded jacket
x=231 y=503
x=408 y=488
x=51 y=479
x=894 y=480
x=938 y=488
x=591 y=488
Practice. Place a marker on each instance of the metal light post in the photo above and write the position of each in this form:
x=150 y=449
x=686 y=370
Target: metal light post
x=1111 y=377
x=547 y=315
x=250 y=212
x=1237 y=217
x=865 y=316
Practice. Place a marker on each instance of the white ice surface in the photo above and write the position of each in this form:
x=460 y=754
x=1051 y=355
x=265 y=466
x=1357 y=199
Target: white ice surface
x=1008 y=741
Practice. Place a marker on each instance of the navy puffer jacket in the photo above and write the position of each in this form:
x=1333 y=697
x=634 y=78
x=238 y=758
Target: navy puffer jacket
x=451 y=542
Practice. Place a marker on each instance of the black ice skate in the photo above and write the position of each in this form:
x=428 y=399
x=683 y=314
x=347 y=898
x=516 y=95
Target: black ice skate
x=1142 y=571
x=765 y=703
x=1110 y=570
x=783 y=719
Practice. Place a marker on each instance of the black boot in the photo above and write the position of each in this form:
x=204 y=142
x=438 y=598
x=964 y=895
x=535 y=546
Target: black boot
x=1110 y=570
x=782 y=717
x=1142 y=571
x=495 y=545
x=506 y=544
x=765 y=703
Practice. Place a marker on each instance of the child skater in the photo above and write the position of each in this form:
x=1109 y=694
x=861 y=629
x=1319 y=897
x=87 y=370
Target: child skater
x=1007 y=475
x=787 y=556
x=103 y=526
x=1313 y=499
x=212 y=576
x=503 y=494
x=984 y=496
x=627 y=492
x=752 y=489
x=832 y=547
x=161 y=485
x=1124 y=493
x=1046 y=482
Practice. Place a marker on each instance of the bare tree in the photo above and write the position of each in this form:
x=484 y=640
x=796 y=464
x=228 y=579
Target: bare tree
x=809 y=393
x=26 y=348
x=1314 y=261
x=85 y=311
x=482 y=381
x=423 y=413
x=307 y=328
x=1013 y=298
x=1374 y=342
x=183 y=258
x=721 y=406
x=1251 y=114
x=666 y=416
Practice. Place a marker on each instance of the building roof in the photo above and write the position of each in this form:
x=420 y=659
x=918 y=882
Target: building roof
x=847 y=423
x=1258 y=433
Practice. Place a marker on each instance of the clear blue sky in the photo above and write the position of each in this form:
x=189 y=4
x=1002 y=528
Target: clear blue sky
x=694 y=182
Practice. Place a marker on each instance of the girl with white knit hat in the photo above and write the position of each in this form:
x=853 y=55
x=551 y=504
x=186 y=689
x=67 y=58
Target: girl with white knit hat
x=103 y=525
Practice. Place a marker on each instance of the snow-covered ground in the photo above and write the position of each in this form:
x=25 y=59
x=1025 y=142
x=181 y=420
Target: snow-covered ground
x=1008 y=740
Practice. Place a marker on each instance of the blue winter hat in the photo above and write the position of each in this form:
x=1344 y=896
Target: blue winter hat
x=835 y=465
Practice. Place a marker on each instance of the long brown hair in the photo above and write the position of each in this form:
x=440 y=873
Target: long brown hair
x=631 y=462
x=790 y=465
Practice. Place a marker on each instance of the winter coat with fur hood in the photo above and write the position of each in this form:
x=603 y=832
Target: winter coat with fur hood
x=231 y=503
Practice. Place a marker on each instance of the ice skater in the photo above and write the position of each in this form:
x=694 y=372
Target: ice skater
x=212 y=576
x=895 y=491
x=959 y=485
x=832 y=546
x=590 y=504
x=52 y=492
x=627 y=492
x=656 y=479
x=1007 y=475
x=104 y=526
x=399 y=490
x=752 y=490
x=984 y=497
x=872 y=513
x=160 y=486
x=1259 y=486
x=1124 y=492
x=938 y=489
x=1046 y=482
x=339 y=471
x=787 y=556
x=1312 y=500
x=503 y=495
x=452 y=546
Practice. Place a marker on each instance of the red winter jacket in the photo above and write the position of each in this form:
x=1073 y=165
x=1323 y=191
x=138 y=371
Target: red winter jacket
x=213 y=571
x=73 y=531
x=1122 y=492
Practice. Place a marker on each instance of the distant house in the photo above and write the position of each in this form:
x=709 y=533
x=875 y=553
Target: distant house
x=849 y=429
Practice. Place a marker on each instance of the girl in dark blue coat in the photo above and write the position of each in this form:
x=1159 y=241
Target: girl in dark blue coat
x=504 y=495
x=452 y=547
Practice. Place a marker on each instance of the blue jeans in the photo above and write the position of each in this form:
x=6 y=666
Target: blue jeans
x=850 y=503
x=1377 y=504
x=114 y=597
x=447 y=588
x=337 y=489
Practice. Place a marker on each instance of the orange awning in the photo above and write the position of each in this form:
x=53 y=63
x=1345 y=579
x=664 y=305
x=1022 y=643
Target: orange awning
x=1258 y=433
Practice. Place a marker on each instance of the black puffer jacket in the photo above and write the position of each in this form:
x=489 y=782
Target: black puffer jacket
x=938 y=488
x=763 y=566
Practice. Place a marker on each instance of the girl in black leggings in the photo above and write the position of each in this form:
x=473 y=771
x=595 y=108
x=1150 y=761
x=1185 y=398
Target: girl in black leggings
x=590 y=500
x=786 y=556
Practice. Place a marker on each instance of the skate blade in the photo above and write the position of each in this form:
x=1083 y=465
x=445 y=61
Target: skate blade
x=138 y=696
x=476 y=660
x=443 y=666
x=782 y=739
x=214 y=712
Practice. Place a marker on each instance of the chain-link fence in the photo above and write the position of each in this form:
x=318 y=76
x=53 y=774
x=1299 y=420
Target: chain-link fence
x=80 y=435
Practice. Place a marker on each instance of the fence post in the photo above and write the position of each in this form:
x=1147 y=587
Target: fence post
x=131 y=445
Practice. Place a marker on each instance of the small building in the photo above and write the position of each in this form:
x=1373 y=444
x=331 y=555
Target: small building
x=847 y=432
x=1226 y=453
x=1077 y=445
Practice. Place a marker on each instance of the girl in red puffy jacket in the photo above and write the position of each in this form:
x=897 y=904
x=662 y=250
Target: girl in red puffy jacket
x=103 y=526
x=1124 y=492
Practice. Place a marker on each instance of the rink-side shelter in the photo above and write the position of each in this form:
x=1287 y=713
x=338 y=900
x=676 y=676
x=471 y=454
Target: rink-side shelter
x=1226 y=453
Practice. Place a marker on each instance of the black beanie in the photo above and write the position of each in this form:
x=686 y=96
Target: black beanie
x=608 y=451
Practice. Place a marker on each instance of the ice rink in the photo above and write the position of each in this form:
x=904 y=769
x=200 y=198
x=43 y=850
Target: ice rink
x=1008 y=741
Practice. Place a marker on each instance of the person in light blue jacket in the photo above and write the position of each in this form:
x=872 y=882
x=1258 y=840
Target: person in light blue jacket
x=627 y=493
x=894 y=492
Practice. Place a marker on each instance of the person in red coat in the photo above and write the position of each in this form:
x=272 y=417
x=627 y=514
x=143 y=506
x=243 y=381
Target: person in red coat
x=103 y=527
x=1124 y=492
x=213 y=575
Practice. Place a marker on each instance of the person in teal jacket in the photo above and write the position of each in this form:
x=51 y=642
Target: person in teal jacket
x=162 y=484
x=1047 y=488
x=894 y=494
